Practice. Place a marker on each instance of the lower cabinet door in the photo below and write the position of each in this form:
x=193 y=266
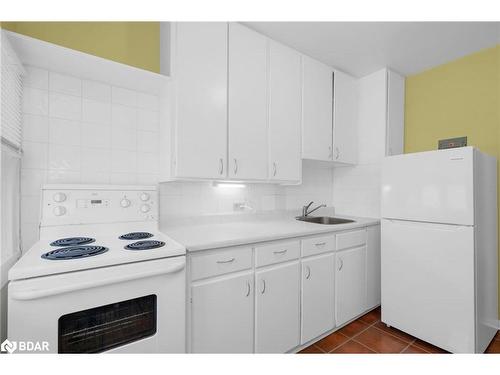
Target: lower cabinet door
x=277 y=301
x=222 y=315
x=350 y=284
x=318 y=296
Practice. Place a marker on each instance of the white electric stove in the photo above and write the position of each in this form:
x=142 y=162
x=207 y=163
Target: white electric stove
x=102 y=277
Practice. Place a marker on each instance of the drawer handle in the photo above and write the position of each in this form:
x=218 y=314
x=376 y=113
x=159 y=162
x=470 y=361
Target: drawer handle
x=281 y=251
x=263 y=289
x=226 y=261
x=341 y=264
x=308 y=272
x=320 y=244
x=248 y=289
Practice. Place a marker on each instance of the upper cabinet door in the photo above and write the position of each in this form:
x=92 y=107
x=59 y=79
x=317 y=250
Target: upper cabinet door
x=395 y=113
x=345 y=148
x=247 y=104
x=317 y=110
x=200 y=71
x=284 y=113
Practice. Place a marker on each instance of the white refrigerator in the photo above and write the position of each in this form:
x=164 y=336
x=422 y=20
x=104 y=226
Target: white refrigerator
x=439 y=247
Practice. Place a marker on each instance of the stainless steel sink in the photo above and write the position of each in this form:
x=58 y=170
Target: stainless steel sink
x=327 y=220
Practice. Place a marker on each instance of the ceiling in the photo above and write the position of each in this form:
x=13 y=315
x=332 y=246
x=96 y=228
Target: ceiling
x=360 y=48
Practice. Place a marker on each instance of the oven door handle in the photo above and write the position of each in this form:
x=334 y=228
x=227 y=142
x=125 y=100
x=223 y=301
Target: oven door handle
x=24 y=294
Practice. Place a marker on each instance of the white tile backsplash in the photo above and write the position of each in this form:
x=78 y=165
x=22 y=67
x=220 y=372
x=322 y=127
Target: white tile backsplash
x=64 y=132
x=125 y=117
x=96 y=91
x=124 y=96
x=68 y=137
x=35 y=128
x=180 y=199
x=65 y=84
x=65 y=106
x=147 y=120
x=34 y=155
x=36 y=78
x=35 y=101
x=63 y=157
x=96 y=135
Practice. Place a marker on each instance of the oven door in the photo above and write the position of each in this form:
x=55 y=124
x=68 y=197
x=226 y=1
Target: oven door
x=132 y=308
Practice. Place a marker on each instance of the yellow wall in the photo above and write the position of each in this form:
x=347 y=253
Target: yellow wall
x=132 y=43
x=461 y=98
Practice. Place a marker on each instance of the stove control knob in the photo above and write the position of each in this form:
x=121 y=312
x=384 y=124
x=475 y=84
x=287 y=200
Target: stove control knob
x=59 y=210
x=145 y=208
x=59 y=197
x=125 y=203
x=145 y=197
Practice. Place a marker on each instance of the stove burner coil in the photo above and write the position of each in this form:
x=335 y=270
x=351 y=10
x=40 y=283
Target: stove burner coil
x=74 y=252
x=72 y=241
x=135 y=236
x=145 y=245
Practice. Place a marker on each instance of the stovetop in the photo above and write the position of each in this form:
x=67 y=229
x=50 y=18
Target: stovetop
x=86 y=250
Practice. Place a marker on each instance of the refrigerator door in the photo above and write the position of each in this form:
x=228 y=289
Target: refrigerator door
x=428 y=282
x=434 y=186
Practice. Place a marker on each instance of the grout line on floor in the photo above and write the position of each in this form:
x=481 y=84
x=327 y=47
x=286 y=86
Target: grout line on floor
x=338 y=346
x=366 y=346
x=406 y=347
x=393 y=335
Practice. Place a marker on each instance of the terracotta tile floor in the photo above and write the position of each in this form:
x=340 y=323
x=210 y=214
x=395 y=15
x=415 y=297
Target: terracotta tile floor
x=369 y=335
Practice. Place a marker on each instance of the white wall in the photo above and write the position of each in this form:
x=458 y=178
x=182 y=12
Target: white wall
x=356 y=190
x=180 y=199
x=82 y=131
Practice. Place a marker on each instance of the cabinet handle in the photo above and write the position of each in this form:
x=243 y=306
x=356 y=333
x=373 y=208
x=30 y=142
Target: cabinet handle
x=235 y=166
x=341 y=263
x=263 y=289
x=248 y=289
x=275 y=169
x=226 y=261
x=337 y=152
x=330 y=153
x=320 y=244
x=308 y=273
x=281 y=251
x=221 y=166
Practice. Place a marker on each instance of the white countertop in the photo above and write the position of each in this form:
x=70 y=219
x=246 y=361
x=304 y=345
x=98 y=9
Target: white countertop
x=204 y=236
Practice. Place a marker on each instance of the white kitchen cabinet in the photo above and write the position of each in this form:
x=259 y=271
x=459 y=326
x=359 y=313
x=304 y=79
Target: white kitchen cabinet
x=247 y=75
x=277 y=320
x=317 y=110
x=373 y=266
x=345 y=142
x=222 y=315
x=200 y=110
x=395 y=113
x=350 y=284
x=318 y=296
x=285 y=95
x=329 y=127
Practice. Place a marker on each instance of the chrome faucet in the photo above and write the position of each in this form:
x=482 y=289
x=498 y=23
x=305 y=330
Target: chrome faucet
x=305 y=209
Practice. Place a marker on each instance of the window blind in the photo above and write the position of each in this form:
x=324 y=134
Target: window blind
x=11 y=95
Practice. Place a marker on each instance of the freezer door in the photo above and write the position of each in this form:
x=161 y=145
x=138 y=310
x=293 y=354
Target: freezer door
x=428 y=282
x=434 y=186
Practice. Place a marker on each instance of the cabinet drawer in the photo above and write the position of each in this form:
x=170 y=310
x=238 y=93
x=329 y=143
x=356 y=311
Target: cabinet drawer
x=221 y=262
x=351 y=239
x=318 y=245
x=276 y=252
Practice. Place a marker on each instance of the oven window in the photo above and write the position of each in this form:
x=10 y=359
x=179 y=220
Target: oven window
x=102 y=328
